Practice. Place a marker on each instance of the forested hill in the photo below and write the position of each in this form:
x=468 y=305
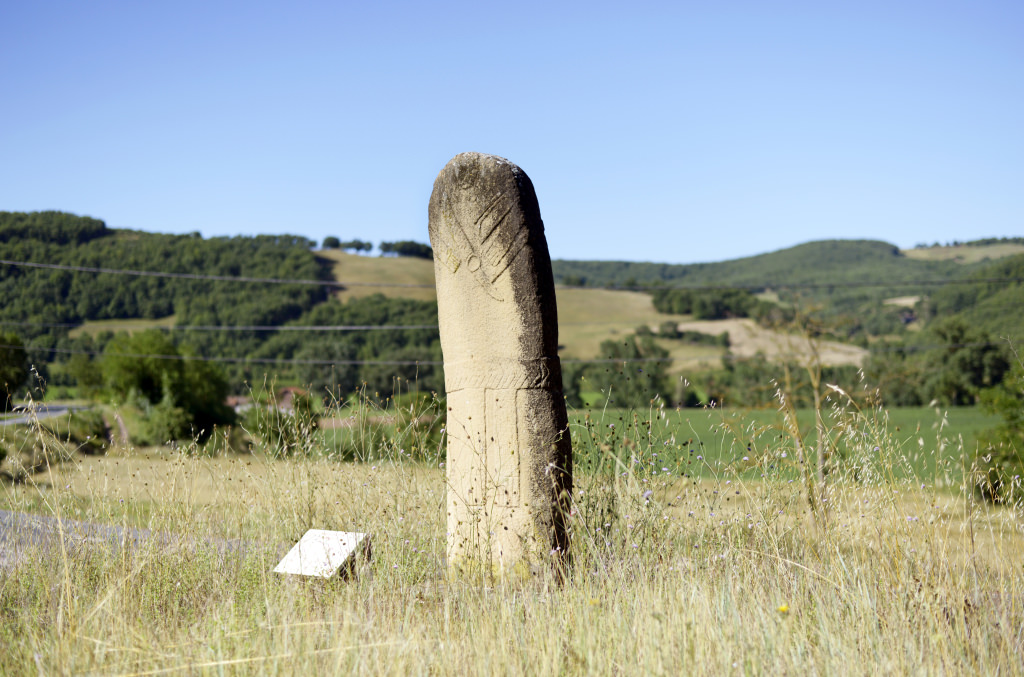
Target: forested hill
x=836 y=262
x=222 y=320
x=989 y=299
x=34 y=297
x=42 y=305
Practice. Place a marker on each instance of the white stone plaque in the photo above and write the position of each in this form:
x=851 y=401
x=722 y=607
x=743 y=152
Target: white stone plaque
x=322 y=553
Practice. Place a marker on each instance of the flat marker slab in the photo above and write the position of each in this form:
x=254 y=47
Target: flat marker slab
x=322 y=553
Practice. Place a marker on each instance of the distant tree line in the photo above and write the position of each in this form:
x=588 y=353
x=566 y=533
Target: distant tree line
x=400 y=248
x=332 y=242
x=983 y=242
x=710 y=304
x=407 y=248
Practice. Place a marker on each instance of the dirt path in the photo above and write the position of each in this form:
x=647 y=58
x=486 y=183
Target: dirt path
x=123 y=439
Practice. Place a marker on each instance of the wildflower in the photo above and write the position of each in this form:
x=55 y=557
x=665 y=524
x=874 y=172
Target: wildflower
x=783 y=609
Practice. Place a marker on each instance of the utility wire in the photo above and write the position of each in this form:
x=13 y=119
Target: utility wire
x=263 y=327
x=284 y=360
x=198 y=276
x=343 y=285
x=292 y=361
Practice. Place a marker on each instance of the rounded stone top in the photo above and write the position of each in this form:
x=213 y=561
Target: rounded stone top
x=475 y=175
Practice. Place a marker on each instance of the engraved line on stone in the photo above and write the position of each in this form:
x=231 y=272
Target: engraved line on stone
x=490 y=207
x=471 y=255
x=509 y=254
x=488 y=223
x=507 y=375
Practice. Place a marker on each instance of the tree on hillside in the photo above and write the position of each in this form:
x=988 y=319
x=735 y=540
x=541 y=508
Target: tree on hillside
x=331 y=242
x=356 y=246
x=13 y=368
x=186 y=396
x=968 y=361
x=406 y=248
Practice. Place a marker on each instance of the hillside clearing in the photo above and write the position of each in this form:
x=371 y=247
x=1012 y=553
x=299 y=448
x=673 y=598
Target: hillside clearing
x=964 y=253
x=747 y=339
x=367 y=272
x=93 y=327
x=903 y=301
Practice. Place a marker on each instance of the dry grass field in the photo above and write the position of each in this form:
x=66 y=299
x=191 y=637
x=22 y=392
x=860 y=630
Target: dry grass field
x=747 y=338
x=730 y=573
x=965 y=254
x=366 y=272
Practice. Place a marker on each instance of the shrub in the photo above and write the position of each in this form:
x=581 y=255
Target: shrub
x=83 y=430
x=13 y=368
x=407 y=427
x=284 y=432
x=1000 y=455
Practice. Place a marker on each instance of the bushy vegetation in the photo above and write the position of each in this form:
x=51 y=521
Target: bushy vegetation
x=710 y=304
x=181 y=398
x=629 y=373
x=988 y=300
x=1000 y=454
x=670 y=330
x=374 y=359
x=283 y=431
x=952 y=362
x=13 y=368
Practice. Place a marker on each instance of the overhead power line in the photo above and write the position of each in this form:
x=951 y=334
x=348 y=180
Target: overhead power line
x=261 y=327
x=343 y=285
x=285 y=360
x=292 y=361
x=198 y=276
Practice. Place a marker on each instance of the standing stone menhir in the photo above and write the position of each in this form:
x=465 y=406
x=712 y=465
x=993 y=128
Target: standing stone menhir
x=509 y=453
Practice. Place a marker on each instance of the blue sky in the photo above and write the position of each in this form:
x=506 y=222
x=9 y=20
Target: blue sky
x=677 y=132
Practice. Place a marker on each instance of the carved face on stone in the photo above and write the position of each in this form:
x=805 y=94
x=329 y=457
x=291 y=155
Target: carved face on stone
x=481 y=231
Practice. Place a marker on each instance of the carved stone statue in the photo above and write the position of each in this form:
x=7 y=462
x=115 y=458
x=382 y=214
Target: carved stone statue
x=509 y=455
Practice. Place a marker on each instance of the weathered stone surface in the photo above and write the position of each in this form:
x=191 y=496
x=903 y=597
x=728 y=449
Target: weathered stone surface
x=509 y=453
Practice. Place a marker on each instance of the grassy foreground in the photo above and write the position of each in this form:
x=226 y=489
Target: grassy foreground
x=725 y=572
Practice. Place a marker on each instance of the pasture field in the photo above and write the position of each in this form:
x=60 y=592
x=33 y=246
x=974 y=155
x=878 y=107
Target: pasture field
x=587 y=317
x=722 y=573
x=930 y=444
x=965 y=254
x=747 y=338
x=367 y=271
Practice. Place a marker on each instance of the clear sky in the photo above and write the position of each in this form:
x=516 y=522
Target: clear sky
x=675 y=131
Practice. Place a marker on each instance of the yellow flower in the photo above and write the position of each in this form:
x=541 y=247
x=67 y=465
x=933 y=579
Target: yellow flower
x=783 y=609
